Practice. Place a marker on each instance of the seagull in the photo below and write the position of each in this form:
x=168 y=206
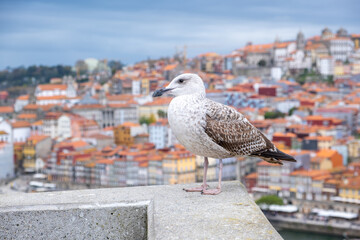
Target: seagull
x=211 y=129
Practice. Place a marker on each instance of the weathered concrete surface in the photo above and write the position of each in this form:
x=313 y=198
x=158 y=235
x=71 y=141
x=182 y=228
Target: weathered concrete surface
x=168 y=211
x=107 y=221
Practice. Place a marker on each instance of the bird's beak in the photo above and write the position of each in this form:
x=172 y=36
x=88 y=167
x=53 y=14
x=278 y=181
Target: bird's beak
x=161 y=91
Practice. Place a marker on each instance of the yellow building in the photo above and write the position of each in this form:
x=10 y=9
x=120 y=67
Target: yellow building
x=179 y=167
x=355 y=68
x=145 y=86
x=152 y=108
x=339 y=70
x=350 y=188
x=29 y=156
x=354 y=148
x=122 y=135
x=35 y=146
x=18 y=155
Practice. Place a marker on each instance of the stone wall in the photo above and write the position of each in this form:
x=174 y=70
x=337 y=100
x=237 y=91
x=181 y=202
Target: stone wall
x=154 y=212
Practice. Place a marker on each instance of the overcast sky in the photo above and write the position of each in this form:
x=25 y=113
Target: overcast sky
x=62 y=32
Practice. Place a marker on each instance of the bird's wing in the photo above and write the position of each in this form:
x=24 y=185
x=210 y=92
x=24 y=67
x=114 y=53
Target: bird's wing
x=232 y=131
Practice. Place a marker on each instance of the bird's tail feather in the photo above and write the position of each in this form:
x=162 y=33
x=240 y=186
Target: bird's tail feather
x=275 y=157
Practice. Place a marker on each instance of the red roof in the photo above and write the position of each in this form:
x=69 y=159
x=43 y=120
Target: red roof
x=6 y=109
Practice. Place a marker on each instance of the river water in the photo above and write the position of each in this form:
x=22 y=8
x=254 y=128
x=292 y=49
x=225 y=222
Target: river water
x=297 y=235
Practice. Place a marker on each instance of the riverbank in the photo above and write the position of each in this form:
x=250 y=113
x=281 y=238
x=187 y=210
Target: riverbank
x=305 y=225
x=300 y=235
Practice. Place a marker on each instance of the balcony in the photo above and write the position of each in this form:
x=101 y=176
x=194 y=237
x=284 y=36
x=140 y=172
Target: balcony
x=154 y=212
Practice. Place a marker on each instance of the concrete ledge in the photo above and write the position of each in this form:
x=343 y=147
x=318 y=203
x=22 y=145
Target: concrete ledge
x=155 y=212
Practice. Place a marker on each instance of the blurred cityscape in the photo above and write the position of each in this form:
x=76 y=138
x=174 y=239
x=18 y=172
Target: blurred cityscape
x=95 y=124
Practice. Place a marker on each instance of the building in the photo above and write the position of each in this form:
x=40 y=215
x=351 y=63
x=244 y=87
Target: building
x=251 y=181
x=155 y=170
x=341 y=48
x=153 y=108
x=179 y=167
x=37 y=146
x=286 y=138
x=21 y=131
x=325 y=65
x=108 y=115
x=7 y=169
x=50 y=90
x=326 y=159
x=6 y=131
x=6 y=112
x=347 y=115
x=304 y=184
x=161 y=135
x=350 y=188
x=124 y=134
x=51 y=122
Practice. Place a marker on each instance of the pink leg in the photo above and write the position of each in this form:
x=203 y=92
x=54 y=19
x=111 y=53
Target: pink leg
x=203 y=186
x=218 y=189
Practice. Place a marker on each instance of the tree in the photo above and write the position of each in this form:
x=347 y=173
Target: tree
x=81 y=67
x=270 y=200
x=161 y=113
x=291 y=111
x=144 y=120
x=147 y=120
x=115 y=66
x=152 y=118
x=275 y=114
x=262 y=63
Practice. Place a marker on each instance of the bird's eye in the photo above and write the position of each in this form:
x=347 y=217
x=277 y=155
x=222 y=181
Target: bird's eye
x=181 y=80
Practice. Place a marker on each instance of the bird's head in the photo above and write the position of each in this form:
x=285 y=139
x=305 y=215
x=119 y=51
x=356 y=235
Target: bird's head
x=184 y=84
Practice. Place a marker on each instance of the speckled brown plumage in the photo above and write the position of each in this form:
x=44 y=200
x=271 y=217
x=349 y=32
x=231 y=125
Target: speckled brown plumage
x=232 y=131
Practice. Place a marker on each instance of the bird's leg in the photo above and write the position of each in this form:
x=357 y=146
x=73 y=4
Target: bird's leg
x=218 y=189
x=204 y=186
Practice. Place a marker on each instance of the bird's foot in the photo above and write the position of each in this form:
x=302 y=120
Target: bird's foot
x=196 y=189
x=215 y=191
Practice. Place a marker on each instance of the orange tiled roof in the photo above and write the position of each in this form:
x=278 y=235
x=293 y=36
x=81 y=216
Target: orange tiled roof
x=282 y=44
x=209 y=54
x=258 y=47
x=105 y=161
x=170 y=67
x=58 y=97
x=23 y=97
x=351 y=183
x=51 y=87
x=309 y=173
x=6 y=109
x=37 y=123
x=120 y=97
x=162 y=122
x=251 y=175
x=159 y=101
x=130 y=124
x=326 y=153
x=20 y=124
x=278 y=134
x=87 y=106
x=27 y=116
x=265 y=163
x=320 y=138
x=37 y=138
x=108 y=128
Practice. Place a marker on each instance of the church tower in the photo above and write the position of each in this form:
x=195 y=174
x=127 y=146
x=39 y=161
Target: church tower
x=300 y=41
